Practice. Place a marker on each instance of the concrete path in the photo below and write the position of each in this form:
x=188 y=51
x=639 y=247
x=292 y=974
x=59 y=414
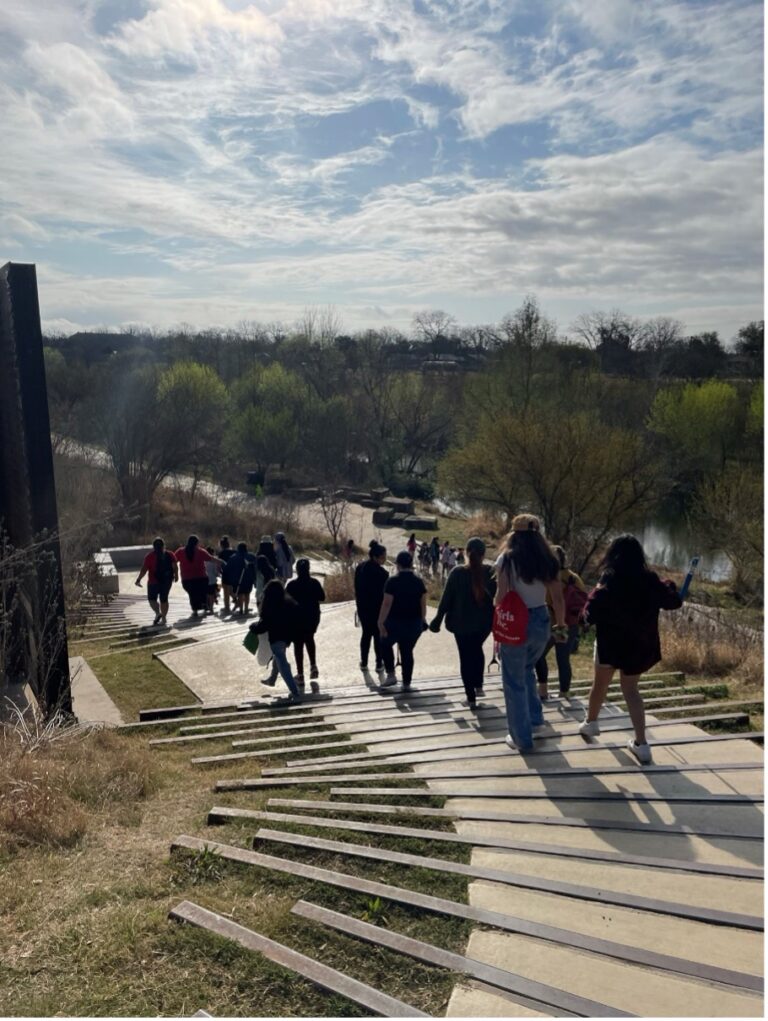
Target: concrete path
x=90 y=701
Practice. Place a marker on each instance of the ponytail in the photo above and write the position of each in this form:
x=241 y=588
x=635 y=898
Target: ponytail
x=477 y=576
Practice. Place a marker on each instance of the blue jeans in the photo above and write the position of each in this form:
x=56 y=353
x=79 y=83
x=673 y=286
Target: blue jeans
x=517 y=673
x=280 y=660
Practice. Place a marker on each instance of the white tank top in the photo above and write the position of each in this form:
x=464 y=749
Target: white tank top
x=532 y=595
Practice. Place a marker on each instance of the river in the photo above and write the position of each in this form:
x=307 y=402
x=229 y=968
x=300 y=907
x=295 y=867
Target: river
x=667 y=542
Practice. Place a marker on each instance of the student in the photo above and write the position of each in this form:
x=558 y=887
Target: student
x=347 y=553
x=574 y=597
x=212 y=570
x=265 y=572
x=278 y=621
x=284 y=557
x=411 y=545
x=225 y=554
x=434 y=553
x=528 y=567
x=163 y=571
x=445 y=557
x=267 y=549
x=402 y=619
x=467 y=607
x=243 y=568
x=624 y=607
x=308 y=594
x=370 y=579
x=194 y=577
x=424 y=560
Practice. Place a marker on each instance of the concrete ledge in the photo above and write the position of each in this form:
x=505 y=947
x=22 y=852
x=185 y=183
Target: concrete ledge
x=125 y=558
x=90 y=701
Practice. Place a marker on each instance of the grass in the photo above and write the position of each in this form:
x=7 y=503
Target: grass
x=85 y=918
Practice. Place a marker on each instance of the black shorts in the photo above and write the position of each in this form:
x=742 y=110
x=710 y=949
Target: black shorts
x=156 y=590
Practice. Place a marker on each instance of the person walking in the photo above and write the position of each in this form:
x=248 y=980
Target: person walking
x=225 y=554
x=285 y=558
x=411 y=545
x=243 y=568
x=467 y=608
x=402 y=619
x=213 y=568
x=445 y=559
x=370 y=578
x=308 y=593
x=527 y=567
x=163 y=570
x=194 y=578
x=624 y=607
x=574 y=598
x=434 y=553
x=267 y=549
x=265 y=572
x=278 y=621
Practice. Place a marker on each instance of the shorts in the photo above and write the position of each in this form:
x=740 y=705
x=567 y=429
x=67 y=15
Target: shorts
x=156 y=590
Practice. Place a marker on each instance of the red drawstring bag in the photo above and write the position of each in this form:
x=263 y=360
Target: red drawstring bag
x=510 y=620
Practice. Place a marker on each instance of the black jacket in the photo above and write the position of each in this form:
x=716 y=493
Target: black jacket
x=283 y=626
x=308 y=593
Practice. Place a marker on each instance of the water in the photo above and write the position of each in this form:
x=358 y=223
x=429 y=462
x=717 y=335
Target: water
x=667 y=542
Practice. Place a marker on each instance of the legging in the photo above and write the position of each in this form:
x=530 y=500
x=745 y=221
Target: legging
x=563 y=652
x=404 y=634
x=472 y=661
x=370 y=629
x=298 y=648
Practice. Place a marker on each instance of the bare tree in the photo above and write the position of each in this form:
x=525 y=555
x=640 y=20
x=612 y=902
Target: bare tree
x=333 y=506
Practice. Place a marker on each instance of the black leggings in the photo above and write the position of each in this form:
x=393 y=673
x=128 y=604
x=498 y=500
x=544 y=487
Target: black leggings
x=197 y=590
x=370 y=629
x=472 y=661
x=404 y=634
x=298 y=648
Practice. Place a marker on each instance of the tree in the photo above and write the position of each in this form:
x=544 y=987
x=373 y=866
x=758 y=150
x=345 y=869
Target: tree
x=728 y=510
x=614 y=335
x=583 y=477
x=333 y=506
x=190 y=399
x=700 y=423
x=750 y=343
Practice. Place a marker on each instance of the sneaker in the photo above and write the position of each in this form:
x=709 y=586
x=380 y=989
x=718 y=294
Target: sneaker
x=289 y=700
x=389 y=681
x=270 y=681
x=364 y=666
x=642 y=752
x=543 y=693
x=406 y=685
x=379 y=667
x=299 y=678
x=510 y=741
x=314 y=687
x=479 y=693
x=156 y=621
x=314 y=672
x=589 y=728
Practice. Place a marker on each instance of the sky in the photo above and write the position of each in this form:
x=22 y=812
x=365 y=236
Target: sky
x=213 y=162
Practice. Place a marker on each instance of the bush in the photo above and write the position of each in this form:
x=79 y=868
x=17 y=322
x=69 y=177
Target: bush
x=703 y=647
x=411 y=487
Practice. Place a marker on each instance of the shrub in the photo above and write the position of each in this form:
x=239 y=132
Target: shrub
x=339 y=586
x=412 y=487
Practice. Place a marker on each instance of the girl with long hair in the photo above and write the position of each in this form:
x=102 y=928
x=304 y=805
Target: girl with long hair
x=624 y=607
x=467 y=607
x=284 y=556
x=194 y=578
x=529 y=567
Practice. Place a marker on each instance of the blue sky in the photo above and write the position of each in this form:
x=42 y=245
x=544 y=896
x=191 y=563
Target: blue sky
x=218 y=161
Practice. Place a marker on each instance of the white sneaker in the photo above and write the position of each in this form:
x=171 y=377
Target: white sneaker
x=589 y=728
x=510 y=741
x=642 y=752
x=388 y=681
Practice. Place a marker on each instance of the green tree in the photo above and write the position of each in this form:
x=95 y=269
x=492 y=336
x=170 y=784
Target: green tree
x=699 y=424
x=728 y=510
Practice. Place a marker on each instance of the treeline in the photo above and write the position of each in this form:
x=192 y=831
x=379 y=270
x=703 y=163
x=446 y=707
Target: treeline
x=590 y=434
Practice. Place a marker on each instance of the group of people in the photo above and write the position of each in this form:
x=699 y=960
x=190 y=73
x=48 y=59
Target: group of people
x=434 y=558
x=624 y=608
x=391 y=610
x=201 y=570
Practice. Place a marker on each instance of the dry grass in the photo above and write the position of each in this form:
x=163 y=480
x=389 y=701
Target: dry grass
x=339 y=586
x=54 y=783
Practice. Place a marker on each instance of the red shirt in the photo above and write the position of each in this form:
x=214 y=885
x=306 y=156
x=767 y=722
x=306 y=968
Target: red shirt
x=150 y=566
x=194 y=568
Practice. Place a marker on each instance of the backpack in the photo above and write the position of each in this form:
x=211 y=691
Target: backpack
x=164 y=568
x=575 y=601
x=510 y=618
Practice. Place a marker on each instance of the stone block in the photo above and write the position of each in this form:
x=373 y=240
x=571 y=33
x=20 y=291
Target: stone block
x=380 y=494
x=125 y=558
x=423 y=523
x=382 y=516
x=370 y=504
x=400 y=505
x=356 y=496
x=307 y=494
x=398 y=520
